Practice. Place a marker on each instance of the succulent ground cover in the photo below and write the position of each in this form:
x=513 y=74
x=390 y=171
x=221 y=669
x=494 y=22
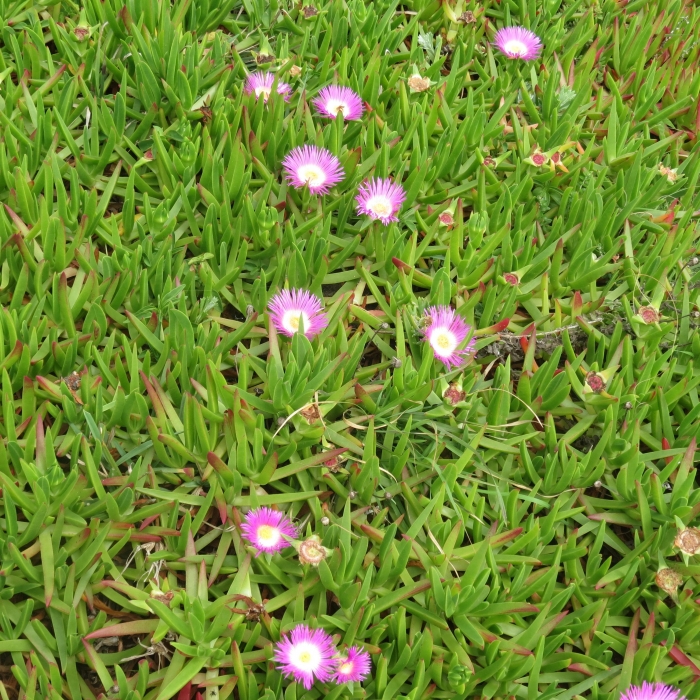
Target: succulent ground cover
x=516 y=523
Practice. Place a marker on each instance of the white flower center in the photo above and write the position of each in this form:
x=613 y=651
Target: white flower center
x=305 y=656
x=335 y=106
x=264 y=91
x=268 y=536
x=515 y=48
x=312 y=175
x=380 y=205
x=345 y=668
x=443 y=341
x=292 y=319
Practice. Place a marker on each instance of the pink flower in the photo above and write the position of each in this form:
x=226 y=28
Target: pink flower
x=355 y=666
x=445 y=332
x=266 y=529
x=380 y=199
x=289 y=308
x=334 y=99
x=518 y=42
x=307 y=655
x=316 y=167
x=652 y=691
x=261 y=84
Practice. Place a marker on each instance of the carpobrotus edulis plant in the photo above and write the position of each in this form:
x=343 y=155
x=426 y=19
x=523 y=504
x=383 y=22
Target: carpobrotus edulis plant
x=380 y=199
x=313 y=167
x=260 y=84
x=306 y=655
x=268 y=530
x=335 y=99
x=292 y=309
x=518 y=42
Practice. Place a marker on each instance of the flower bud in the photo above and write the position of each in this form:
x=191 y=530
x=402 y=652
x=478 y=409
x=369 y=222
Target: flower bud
x=478 y=223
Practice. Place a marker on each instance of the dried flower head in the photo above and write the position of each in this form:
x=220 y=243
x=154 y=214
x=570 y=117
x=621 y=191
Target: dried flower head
x=445 y=332
x=518 y=42
x=511 y=278
x=454 y=394
x=418 y=84
x=467 y=17
x=313 y=167
x=446 y=218
x=668 y=580
x=595 y=382
x=312 y=552
x=648 y=314
x=311 y=413
x=267 y=530
x=306 y=655
x=671 y=174
x=260 y=85
x=334 y=100
x=309 y=11
x=380 y=199
x=289 y=309
x=652 y=691
x=354 y=666
x=688 y=541
x=295 y=71
x=72 y=381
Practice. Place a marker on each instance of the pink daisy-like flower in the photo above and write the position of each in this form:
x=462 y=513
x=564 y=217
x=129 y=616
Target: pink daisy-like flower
x=289 y=308
x=316 y=167
x=518 y=42
x=380 y=199
x=652 y=691
x=445 y=332
x=307 y=655
x=354 y=666
x=266 y=529
x=260 y=84
x=334 y=99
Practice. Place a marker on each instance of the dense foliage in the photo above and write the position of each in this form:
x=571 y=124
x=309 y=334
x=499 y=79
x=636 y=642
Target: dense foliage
x=496 y=530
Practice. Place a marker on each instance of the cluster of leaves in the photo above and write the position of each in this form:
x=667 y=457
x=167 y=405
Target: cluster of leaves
x=495 y=531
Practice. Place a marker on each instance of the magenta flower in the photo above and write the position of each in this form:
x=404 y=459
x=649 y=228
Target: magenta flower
x=334 y=99
x=266 y=529
x=445 y=332
x=652 y=691
x=261 y=84
x=380 y=199
x=289 y=308
x=316 y=167
x=355 y=666
x=518 y=42
x=307 y=655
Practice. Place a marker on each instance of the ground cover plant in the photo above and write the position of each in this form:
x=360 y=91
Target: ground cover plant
x=348 y=349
